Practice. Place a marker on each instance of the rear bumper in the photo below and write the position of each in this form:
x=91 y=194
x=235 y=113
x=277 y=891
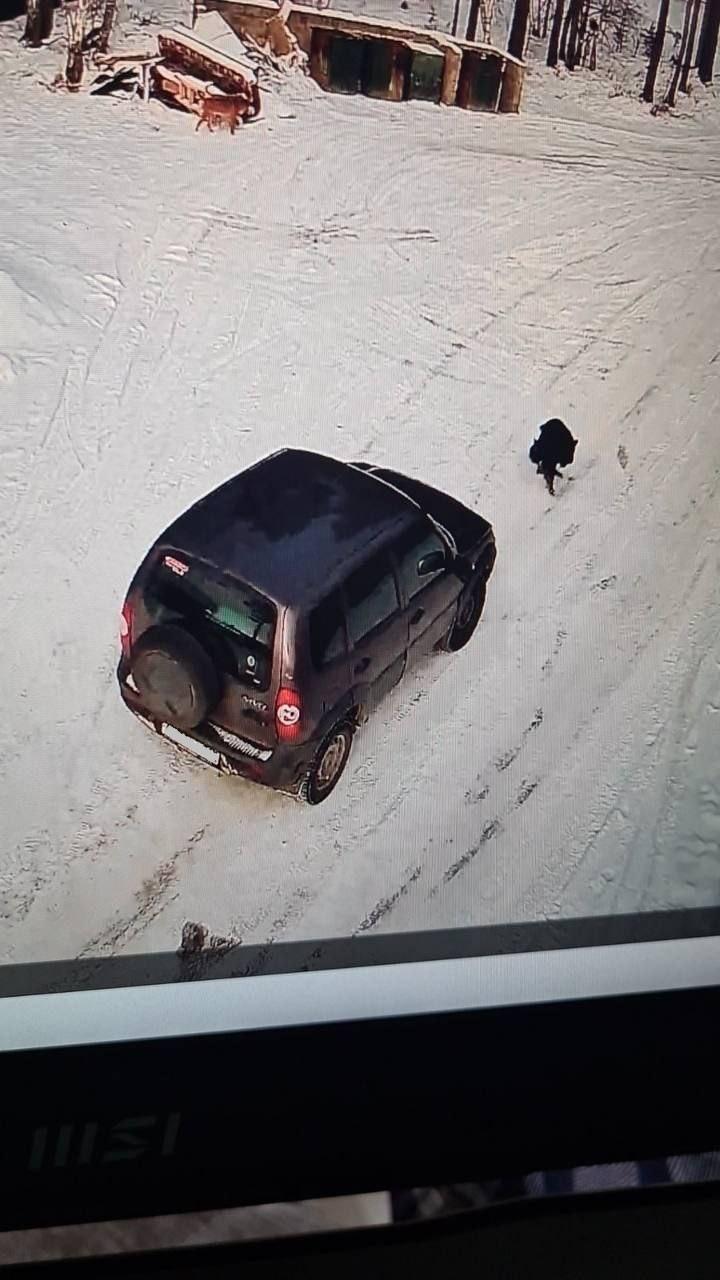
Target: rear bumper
x=285 y=768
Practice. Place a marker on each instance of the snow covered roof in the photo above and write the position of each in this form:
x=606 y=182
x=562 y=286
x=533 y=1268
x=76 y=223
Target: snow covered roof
x=292 y=524
x=231 y=55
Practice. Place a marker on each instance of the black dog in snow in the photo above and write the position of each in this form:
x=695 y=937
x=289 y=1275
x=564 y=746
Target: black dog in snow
x=553 y=447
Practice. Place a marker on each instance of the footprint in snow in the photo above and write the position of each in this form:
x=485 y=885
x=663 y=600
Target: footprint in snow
x=604 y=583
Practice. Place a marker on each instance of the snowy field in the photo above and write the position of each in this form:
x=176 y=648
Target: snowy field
x=409 y=285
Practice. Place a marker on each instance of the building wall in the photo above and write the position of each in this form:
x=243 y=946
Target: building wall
x=256 y=18
x=512 y=88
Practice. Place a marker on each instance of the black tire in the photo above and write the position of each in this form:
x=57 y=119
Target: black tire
x=335 y=752
x=175 y=677
x=472 y=603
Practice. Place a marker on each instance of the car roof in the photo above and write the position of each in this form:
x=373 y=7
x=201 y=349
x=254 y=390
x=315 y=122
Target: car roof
x=292 y=524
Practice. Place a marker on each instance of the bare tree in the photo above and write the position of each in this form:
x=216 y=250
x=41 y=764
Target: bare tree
x=38 y=22
x=566 y=32
x=656 y=52
x=679 y=59
x=592 y=59
x=541 y=11
x=76 y=18
x=621 y=27
x=707 y=48
x=519 y=28
x=572 y=57
x=582 y=29
x=472 y=22
x=569 y=40
x=687 y=65
x=554 y=43
x=108 y=22
x=590 y=43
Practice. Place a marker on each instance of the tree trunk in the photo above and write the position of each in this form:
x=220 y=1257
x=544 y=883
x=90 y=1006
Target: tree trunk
x=473 y=16
x=687 y=65
x=38 y=23
x=580 y=47
x=656 y=52
x=572 y=48
x=566 y=32
x=707 y=47
x=546 y=19
x=622 y=27
x=680 y=59
x=554 y=44
x=109 y=14
x=455 y=18
x=519 y=29
x=75 y=14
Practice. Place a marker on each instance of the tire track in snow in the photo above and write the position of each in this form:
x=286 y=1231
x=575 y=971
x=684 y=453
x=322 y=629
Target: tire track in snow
x=124 y=330
x=509 y=757
x=489 y=831
x=153 y=896
x=385 y=905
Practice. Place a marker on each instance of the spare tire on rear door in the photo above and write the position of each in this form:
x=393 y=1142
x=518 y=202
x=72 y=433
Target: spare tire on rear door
x=175 y=677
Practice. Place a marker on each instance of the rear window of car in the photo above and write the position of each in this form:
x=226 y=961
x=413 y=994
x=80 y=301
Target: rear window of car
x=177 y=587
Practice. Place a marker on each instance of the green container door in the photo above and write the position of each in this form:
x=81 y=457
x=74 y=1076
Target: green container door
x=346 y=64
x=377 y=68
x=486 y=82
x=426 y=73
x=379 y=63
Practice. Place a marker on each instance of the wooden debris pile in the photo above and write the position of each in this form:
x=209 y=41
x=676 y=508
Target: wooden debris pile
x=216 y=87
x=221 y=90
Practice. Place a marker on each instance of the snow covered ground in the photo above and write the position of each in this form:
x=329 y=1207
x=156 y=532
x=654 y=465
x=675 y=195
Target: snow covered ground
x=415 y=286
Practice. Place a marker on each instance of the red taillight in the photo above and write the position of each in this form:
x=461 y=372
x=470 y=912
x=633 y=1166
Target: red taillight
x=288 y=714
x=125 y=629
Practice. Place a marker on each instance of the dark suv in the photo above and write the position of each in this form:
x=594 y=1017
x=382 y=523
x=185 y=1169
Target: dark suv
x=270 y=619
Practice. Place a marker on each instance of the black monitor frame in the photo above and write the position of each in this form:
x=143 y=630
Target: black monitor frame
x=130 y=1101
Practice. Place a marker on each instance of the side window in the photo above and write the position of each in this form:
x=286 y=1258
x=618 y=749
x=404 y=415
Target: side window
x=327 y=632
x=421 y=541
x=371 y=597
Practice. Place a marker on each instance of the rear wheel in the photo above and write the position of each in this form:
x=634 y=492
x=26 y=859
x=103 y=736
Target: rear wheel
x=467 y=617
x=329 y=764
x=175 y=676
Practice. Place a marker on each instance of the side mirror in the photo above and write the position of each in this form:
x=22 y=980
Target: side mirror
x=434 y=562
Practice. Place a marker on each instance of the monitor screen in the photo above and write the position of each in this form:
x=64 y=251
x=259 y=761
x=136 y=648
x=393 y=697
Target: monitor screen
x=358 y=390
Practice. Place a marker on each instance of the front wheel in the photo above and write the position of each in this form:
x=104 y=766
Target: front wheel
x=329 y=764
x=467 y=617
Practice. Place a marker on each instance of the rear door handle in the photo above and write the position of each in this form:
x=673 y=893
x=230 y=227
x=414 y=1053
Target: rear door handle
x=418 y=615
x=362 y=666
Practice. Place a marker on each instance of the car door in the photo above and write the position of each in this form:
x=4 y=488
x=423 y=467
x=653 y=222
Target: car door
x=330 y=681
x=429 y=599
x=377 y=630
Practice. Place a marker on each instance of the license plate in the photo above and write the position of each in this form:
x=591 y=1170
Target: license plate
x=190 y=744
